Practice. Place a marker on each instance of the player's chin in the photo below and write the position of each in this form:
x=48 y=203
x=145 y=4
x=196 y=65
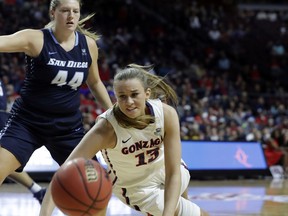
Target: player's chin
x=132 y=114
x=71 y=27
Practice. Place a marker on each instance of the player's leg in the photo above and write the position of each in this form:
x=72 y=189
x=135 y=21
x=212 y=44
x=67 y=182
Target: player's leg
x=149 y=197
x=185 y=180
x=188 y=208
x=185 y=194
x=17 y=146
x=24 y=179
x=6 y=168
x=204 y=213
x=60 y=148
x=185 y=206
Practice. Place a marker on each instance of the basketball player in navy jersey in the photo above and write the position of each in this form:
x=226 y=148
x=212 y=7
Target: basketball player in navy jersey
x=59 y=59
x=23 y=177
x=140 y=141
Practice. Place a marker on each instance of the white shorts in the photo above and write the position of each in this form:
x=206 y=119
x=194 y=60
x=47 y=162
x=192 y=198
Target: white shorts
x=149 y=197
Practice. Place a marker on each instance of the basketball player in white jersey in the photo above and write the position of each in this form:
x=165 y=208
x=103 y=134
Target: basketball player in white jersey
x=140 y=141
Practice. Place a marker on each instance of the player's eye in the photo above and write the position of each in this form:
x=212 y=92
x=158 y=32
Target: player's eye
x=122 y=97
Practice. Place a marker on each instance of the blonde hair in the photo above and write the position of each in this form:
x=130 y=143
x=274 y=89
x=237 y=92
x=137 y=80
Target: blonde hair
x=159 y=89
x=80 y=27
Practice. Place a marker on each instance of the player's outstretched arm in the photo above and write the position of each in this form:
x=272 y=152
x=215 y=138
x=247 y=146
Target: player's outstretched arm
x=172 y=151
x=47 y=204
x=28 y=41
x=100 y=136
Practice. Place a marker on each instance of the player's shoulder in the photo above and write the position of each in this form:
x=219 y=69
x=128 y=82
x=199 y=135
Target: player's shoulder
x=33 y=41
x=168 y=110
x=31 y=32
x=104 y=123
x=93 y=49
x=90 y=41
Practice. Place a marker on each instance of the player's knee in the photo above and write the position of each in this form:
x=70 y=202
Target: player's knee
x=204 y=213
x=185 y=194
x=102 y=212
x=187 y=208
x=7 y=168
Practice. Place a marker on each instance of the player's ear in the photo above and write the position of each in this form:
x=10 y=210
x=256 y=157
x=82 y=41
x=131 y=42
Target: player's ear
x=148 y=93
x=52 y=12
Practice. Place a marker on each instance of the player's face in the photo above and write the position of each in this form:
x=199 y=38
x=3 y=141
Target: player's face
x=131 y=97
x=67 y=14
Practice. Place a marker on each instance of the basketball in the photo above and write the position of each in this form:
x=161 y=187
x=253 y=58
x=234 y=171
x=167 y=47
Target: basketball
x=81 y=187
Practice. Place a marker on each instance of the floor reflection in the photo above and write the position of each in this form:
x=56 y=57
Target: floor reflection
x=219 y=198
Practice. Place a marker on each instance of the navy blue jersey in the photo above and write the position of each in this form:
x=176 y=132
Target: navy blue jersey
x=47 y=113
x=54 y=77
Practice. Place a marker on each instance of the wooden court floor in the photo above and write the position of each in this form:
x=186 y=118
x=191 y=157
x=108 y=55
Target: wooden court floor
x=220 y=198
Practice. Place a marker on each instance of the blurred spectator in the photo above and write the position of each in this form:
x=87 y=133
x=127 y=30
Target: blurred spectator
x=229 y=69
x=275 y=155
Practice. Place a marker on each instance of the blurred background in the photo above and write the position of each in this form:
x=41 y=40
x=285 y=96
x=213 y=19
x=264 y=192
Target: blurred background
x=226 y=59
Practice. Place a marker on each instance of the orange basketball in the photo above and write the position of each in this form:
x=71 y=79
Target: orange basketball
x=81 y=187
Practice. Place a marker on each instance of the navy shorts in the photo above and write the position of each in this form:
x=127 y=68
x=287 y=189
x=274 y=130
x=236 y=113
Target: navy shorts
x=3 y=118
x=27 y=130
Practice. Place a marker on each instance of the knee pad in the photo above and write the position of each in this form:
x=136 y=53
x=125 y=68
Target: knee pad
x=187 y=208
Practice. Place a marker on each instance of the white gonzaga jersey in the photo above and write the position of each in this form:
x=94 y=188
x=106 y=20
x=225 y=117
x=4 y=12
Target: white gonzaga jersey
x=138 y=154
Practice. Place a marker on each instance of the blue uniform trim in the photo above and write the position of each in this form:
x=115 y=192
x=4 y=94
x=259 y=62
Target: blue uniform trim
x=55 y=40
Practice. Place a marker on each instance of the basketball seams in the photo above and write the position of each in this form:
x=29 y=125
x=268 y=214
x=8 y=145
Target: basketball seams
x=67 y=191
x=109 y=193
x=87 y=198
x=94 y=200
x=86 y=206
x=83 y=180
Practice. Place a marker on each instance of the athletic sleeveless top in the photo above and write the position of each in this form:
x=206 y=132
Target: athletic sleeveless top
x=54 y=77
x=138 y=153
